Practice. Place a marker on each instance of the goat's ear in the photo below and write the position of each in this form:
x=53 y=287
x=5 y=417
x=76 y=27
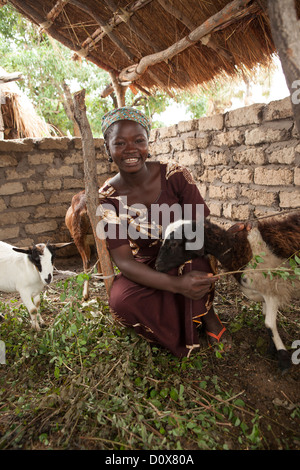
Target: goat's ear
x=23 y=250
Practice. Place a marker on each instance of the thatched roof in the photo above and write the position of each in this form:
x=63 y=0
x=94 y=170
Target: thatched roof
x=18 y=116
x=207 y=38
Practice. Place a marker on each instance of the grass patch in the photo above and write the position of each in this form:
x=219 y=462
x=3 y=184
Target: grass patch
x=83 y=382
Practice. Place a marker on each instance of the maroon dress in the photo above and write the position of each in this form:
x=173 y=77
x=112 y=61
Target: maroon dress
x=161 y=317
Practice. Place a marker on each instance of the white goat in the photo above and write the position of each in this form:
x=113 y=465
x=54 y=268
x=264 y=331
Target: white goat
x=27 y=271
x=275 y=239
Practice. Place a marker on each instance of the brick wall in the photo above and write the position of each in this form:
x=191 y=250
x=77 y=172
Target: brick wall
x=38 y=178
x=246 y=164
x=246 y=161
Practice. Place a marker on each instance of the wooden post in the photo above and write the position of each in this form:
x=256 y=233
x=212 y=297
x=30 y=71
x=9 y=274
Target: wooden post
x=286 y=35
x=1 y=119
x=119 y=90
x=91 y=185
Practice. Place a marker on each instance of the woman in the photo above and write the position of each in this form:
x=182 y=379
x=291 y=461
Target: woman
x=164 y=308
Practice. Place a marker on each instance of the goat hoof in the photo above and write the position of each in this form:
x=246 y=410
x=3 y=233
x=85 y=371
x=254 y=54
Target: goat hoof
x=284 y=360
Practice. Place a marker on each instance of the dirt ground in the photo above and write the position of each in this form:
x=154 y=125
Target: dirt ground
x=249 y=367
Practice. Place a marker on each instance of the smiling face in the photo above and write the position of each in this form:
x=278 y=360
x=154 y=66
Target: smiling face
x=127 y=142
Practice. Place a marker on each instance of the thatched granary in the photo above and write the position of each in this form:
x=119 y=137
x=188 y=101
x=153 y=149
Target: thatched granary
x=160 y=44
x=18 y=116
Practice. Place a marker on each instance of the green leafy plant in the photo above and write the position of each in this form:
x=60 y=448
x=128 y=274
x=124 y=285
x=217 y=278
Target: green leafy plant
x=85 y=382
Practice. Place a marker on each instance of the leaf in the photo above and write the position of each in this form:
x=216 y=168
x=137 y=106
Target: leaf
x=174 y=394
x=164 y=392
x=244 y=427
x=239 y=402
x=156 y=403
x=73 y=328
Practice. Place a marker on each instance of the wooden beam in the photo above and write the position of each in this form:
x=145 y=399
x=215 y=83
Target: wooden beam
x=113 y=22
x=53 y=14
x=285 y=28
x=108 y=90
x=11 y=77
x=125 y=16
x=91 y=185
x=232 y=12
x=56 y=10
x=209 y=42
x=105 y=27
x=36 y=18
x=206 y=40
x=179 y=15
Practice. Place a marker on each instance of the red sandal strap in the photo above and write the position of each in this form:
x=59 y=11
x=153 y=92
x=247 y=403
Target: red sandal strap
x=217 y=337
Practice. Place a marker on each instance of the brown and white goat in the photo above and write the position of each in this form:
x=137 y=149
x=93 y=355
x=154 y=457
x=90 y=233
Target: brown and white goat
x=274 y=239
x=79 y=226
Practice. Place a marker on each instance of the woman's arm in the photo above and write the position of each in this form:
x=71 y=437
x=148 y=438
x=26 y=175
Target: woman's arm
x=194 y=284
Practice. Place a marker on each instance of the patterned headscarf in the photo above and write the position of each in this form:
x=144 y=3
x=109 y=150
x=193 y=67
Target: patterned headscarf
x=125 y=114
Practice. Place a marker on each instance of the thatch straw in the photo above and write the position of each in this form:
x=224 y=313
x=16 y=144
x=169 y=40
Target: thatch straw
x=248 y=41
x=19 y=115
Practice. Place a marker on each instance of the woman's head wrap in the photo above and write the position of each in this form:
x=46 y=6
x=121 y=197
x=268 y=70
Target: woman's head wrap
x=125 y=114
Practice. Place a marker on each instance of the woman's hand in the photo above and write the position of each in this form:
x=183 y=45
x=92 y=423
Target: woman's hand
x=195 y=284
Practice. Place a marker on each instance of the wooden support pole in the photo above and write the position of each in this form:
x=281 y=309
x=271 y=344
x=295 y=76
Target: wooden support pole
x=118 y=89
x=1 y=118
x=285 y=28
x=91 y=185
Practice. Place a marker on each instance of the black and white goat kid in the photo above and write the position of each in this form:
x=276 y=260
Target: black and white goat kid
x=276 y=239
x=27 y=271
